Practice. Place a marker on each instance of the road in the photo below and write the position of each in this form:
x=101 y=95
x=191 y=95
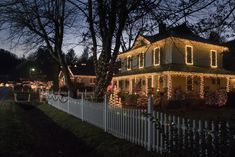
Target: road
x=4 y=92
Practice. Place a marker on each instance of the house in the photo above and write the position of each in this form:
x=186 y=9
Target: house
x=172 y=61
x=82 y=75
x=229 y=58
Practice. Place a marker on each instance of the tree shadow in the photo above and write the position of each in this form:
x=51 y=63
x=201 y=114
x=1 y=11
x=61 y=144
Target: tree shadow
x=49 y=139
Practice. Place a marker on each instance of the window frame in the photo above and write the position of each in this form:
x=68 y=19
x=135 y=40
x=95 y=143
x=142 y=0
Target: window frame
x=127 y=62
x=216 y=59
x=142 y=53
x=186 y=55
x=154 y=56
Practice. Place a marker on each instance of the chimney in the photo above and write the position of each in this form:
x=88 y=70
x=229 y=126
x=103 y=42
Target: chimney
x=162 y=28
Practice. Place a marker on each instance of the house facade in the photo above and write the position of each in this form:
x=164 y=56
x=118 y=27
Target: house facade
x=172 y=62
x=82 y=75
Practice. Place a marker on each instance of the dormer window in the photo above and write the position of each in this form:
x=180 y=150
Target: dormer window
x=156 y=56
x=128 y=63
x=213 y=58
x=189 y=55
x=141 y=60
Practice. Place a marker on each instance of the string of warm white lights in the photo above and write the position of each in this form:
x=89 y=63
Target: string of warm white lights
x=202 y=92
x=169 y=87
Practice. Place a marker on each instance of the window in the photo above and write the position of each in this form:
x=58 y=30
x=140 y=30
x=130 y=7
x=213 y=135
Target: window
x=156 y=56
x=128 y=63
x=189 y=84
x=189 y=55
x=141 y=60
x=213 y=57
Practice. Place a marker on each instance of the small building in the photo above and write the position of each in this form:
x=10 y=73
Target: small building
x=82 y=75
x=171 y=61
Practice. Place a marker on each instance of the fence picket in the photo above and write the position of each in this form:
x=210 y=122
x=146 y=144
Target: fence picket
x=162 y=133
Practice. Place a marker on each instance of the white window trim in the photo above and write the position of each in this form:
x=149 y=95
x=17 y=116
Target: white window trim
x=159 y=55
x=127 y=64
x=186 y=55
x=216 y=54
x=143 y=60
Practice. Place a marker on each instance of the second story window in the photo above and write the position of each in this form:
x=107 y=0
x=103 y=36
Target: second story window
x=156 y=56
x=141 y=60
x=128 y=63
x=189 y=55
x=213 y=58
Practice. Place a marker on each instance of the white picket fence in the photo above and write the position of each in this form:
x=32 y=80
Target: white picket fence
x=153 y=130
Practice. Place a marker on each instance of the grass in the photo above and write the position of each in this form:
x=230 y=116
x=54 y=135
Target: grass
x=41 y=130
x=103 y=143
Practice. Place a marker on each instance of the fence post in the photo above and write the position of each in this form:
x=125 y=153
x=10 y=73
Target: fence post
x=150 y=131
x=105 y=112
x=82 y=106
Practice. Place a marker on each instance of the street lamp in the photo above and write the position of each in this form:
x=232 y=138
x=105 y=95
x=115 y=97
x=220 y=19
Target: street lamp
x=30 y=71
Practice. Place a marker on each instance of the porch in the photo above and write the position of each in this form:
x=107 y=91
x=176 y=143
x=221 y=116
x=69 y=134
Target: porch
x=173 y=84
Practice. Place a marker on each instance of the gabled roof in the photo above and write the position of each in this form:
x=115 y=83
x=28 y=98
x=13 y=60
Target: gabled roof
x=83 y=69
x=231 y=45
x=181 y=31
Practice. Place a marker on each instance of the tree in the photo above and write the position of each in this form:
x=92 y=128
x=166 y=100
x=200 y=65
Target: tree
x=85 y=55
x=107 y=20
x=113 y=24
x=8 y=63
x=40 y=22
x=71 y=57
x=46 y=64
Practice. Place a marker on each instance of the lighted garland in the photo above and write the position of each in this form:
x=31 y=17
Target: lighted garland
x=63 y=99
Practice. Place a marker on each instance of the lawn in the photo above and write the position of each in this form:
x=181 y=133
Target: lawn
x=41 y=130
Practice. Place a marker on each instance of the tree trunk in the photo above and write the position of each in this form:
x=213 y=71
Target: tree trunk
x=69 y=83
x=104 y=73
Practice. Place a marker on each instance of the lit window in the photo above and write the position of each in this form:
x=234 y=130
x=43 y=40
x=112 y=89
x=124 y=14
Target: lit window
x=156 y=56
x=213 y=57
x=189 y=55
x=128 y=63
x=189 y=83
x=141 y=60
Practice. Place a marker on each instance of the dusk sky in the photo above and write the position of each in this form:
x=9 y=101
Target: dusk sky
x=19 y=50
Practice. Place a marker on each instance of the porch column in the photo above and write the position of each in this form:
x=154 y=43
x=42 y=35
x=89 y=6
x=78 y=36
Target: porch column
x=117 y=83
x=158 y=82
x=152 y=83
x=130 y=86
x=202 y=92
x=169 y=86
x=146 y=85
x=227 y=84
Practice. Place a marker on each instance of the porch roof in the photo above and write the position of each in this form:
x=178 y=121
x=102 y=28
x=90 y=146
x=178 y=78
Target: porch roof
x=177 y=68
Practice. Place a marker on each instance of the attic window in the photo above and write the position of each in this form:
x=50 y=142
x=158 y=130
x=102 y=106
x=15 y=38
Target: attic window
x=156 y=56
x=213 y=58
x=128 y=63
x=141 y=60
x=189 y=55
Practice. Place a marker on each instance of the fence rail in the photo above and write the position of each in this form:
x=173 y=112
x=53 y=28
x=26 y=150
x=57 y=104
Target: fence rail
x=156 y=131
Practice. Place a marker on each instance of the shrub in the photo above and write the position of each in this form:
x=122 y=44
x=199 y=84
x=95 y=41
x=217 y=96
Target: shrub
x=231 y=99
